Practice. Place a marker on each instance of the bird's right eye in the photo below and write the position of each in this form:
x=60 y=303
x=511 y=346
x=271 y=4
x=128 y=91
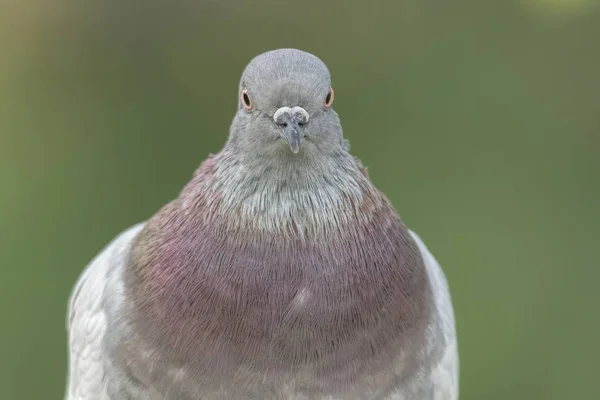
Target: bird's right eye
x=245 y=99
x=328 y=99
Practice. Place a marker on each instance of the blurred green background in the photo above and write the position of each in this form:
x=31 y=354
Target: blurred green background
x=479 y=119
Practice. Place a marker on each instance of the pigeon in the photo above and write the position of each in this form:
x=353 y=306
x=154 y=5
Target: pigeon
x=280 y=272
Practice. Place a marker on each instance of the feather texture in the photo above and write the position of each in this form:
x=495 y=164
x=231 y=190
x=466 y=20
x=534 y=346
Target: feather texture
x=89 y=333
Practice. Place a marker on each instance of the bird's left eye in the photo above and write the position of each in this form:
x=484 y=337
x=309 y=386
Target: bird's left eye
x=245 y=98
x=329 y=98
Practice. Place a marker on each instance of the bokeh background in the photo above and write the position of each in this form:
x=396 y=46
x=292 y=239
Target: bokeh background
x=479 y=119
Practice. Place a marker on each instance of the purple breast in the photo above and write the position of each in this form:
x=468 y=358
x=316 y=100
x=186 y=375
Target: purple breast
x=224 y=302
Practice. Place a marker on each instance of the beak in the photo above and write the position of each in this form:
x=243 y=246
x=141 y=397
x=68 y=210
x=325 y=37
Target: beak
x=292 y=134
x=292 y=120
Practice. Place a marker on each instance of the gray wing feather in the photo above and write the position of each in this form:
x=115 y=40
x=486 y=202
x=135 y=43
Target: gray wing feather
x=88 y=321
x=444 y=375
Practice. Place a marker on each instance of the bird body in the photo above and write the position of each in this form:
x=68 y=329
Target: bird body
x=279 y=272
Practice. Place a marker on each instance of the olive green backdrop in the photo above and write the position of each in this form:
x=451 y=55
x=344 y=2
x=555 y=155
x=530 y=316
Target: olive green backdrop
x=479 y=119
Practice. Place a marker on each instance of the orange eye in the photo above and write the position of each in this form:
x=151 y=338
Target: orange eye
x=329 y=98
x=245 y=99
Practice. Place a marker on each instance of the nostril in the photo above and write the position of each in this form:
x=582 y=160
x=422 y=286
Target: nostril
x=283 y=124
x=302 y=123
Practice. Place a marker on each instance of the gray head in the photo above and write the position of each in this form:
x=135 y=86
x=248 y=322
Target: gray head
x=284 y=107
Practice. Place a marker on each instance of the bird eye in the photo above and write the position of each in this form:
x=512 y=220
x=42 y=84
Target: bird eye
x=329 y=98
x=245 y=98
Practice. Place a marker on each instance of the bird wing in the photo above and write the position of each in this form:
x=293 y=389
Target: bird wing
x=88 y=320
x=444 y=375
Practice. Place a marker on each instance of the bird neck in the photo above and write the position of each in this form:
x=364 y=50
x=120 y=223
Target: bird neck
x=302 y=194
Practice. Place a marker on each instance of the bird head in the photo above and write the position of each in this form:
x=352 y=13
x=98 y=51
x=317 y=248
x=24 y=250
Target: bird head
x=285 y=106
